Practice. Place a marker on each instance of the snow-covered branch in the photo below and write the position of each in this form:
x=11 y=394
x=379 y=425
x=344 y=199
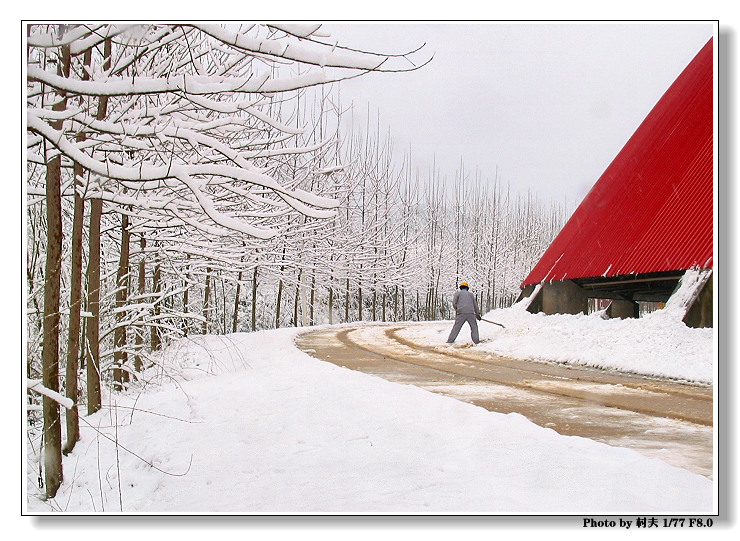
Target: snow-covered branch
x=36 y=385
x=291 y=50
x=154 y=174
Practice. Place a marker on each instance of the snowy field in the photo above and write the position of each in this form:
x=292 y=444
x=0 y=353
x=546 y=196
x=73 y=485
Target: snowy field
x=248 y=424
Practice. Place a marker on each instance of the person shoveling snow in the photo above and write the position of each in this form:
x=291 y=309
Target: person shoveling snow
x=466 y=309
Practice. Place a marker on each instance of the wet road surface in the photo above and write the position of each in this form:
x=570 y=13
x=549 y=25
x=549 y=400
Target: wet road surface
x=662 y=419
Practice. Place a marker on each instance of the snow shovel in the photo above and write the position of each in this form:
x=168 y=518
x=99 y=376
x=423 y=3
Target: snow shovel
x=489 y=321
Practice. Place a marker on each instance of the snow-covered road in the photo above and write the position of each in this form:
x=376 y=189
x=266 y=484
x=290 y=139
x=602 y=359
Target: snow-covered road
x=660 y=418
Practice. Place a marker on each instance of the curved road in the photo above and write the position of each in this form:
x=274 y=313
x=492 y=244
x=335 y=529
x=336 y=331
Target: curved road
x=659 y=418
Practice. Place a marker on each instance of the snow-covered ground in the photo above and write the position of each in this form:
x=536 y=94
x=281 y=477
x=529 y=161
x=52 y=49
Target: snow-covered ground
x=247 y=423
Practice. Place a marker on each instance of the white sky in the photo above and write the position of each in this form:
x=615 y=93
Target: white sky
x=548 y=104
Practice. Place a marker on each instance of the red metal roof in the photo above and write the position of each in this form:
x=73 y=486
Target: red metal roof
x=652 y=209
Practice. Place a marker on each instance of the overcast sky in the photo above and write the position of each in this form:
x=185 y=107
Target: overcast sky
x=547 y=104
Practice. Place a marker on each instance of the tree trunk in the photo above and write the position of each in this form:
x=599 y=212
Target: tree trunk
x=403 y=304
x=428 y=302
x=75 y=304
x=359 y=302
x=488 y=296
x=297 y=299
x=120 y=357
x=50 y=351
x=92 y=327
x=52 y=282
x=313 y=295
x=436 y=295
x=235 y=321
x=93 y=278
x=138 y=363
x=224 y=322
x=156 y=338
x=382 y=306
x=375 y=302
x=346 y=303
x=331 y=306
x=254 y=299
x=186 y=300
x=75 y=299
x=280 y=292
x=206 y=296
x=279 y=301
x=304 y=301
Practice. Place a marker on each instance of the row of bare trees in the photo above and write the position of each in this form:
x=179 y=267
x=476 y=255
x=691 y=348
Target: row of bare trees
x=194 y=179
x=160 y=156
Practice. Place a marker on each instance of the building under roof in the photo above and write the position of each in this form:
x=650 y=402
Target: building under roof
x=648 y=218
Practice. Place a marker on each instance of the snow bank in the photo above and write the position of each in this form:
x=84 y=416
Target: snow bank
x=658 y=344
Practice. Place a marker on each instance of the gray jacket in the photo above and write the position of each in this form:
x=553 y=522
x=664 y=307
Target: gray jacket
x=463 y=301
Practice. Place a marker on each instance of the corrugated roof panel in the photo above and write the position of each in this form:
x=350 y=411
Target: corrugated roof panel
x=652 y=209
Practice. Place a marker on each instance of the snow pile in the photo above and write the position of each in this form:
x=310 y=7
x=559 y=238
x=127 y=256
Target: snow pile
x=249 y=424
x=658 y=344
x=689 y=287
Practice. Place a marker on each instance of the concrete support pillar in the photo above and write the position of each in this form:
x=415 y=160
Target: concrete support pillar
x=700 y=313
x=623 y=309
x=564 y=297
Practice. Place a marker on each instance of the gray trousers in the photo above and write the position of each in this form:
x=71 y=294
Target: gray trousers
x=459 y=322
